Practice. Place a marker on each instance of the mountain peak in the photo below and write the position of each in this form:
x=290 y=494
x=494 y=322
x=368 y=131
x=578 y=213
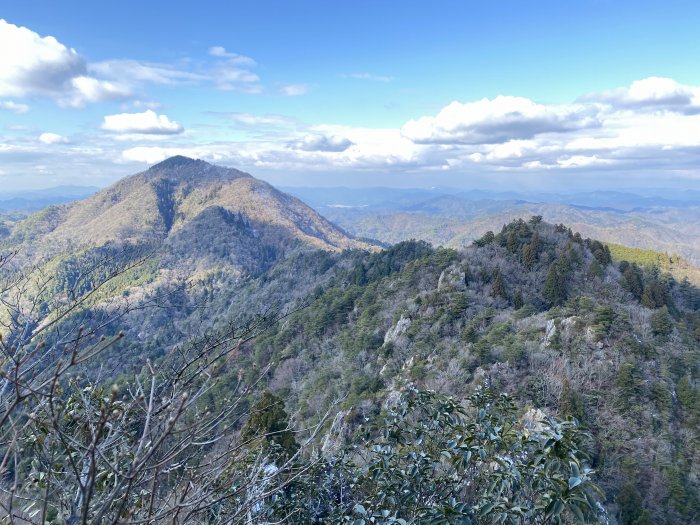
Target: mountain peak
x=178 y=161
x=184 y=168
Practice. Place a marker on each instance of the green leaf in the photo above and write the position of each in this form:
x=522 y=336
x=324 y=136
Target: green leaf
x=574 y=481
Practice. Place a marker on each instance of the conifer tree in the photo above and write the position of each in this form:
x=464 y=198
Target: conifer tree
x=518 y=301
x=270 y=421
x=497 y=287
x=661 y=322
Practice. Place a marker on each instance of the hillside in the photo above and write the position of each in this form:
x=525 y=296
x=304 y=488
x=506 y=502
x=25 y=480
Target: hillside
x=535 y=311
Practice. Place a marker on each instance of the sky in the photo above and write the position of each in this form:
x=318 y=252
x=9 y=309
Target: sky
x=582 y=94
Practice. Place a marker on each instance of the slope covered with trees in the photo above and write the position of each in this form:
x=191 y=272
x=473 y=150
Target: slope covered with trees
x=329 y=364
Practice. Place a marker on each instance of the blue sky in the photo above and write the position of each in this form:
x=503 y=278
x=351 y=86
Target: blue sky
x=591 y=93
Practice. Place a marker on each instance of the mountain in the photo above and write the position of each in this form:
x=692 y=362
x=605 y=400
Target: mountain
x=182 y=226
x=172 y=196
x=455 y=218
x=177 y=255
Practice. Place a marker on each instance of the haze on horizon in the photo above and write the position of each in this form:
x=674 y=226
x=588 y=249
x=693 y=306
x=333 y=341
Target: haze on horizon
x=579 y=96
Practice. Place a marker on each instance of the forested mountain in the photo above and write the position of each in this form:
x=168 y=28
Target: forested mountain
x=183 y=255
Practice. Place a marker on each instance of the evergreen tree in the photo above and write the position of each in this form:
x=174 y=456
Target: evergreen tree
x=518 y=301
x=685 y=393
x=531 y=251
x=661 y=322
x=632 y=280
x=629 y=501
x=268 y=420
x=497 y=287
x=555 y=283
x=594 y=270
x=570 y=403
x=512 y=242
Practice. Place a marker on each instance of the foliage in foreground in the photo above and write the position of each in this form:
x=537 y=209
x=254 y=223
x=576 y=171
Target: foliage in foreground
x=433 y=460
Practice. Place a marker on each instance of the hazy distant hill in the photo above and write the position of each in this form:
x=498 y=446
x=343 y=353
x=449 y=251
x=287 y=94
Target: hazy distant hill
x=454 y=218
x=34 y=200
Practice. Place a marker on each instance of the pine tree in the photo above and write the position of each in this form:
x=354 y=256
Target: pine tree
x=661 y=322
x=555 y=284
x=570 y=403
x=512 y=242
x=630 y=503
x=518 y=301
x=531 y=250
x=594 y=270
x=497 y=287
x=268 y=420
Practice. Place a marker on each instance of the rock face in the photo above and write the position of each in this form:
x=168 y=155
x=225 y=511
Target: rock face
x=549 y=333
x=452 y=278
x=532 y=419
x=397 y=330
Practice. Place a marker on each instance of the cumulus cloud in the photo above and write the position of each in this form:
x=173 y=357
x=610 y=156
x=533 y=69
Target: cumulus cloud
x=294 y=90
x=495 y=121
x=654 y=93
x=504 y=134
x=333 y=143
x=43 y=66
x=53 y=138
x=15 y=107
x=146 y=123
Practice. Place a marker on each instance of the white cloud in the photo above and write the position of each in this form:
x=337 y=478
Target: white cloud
x=503 y=134
x=313 y=142
x=149 y=155
x=369 y=76
x=233 y=58
x=654 y=93
x=232 y=78
x=145 y=72
x=249 y=119
x=232 y=72
x=42 y=66
x=294 y=90
x=147 y=123
x=88 y=89
x=15 y=107
x=496 y=121
x=53 y=138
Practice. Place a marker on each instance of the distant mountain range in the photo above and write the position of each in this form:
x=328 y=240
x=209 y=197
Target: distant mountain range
x=34 y=200
x=667 y=223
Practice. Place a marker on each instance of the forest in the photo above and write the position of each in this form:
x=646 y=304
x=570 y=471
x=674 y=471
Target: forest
x=529 y=378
